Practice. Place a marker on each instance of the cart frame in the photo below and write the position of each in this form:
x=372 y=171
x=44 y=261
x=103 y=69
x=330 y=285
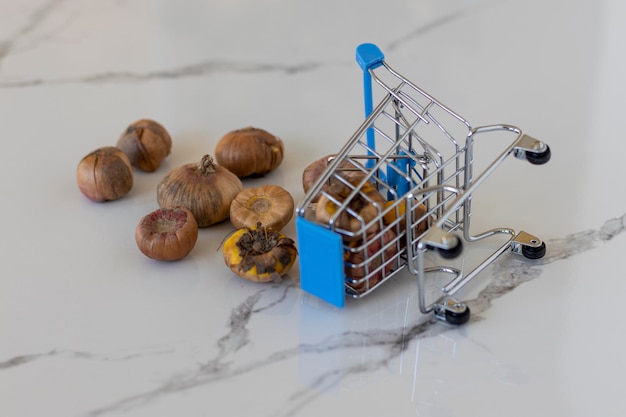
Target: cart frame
x=418 y=155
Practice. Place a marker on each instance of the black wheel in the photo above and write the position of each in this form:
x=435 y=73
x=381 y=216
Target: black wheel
x=453 y=317
x=538 y=158
x=534 y=253
x=452 y=252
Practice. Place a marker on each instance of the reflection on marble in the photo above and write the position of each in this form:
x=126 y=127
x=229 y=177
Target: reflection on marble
x=513 y=272
x=506 y=275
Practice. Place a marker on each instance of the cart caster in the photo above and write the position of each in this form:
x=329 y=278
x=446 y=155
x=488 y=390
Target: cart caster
x=532 y=252
x=539 y=158
x=452 y=252
x=447 y=244
x=529 y=246
x=458 y=318
x=452 y=311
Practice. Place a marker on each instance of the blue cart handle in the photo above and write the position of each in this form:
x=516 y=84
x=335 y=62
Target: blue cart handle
x=369 y=57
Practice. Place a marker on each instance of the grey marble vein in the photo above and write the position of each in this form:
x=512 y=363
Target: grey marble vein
x=426 y=28
x=238 y=335
x=440 y=22
x=24 y=359
x=209 y=67
x=32 y=22
x=200 y=69
x=215 y=369
x=21 y=360
x=507 y=274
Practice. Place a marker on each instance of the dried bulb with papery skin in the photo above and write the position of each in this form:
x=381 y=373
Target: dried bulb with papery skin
x=358 y=221
x=269 y=205
x=105 y=174
x=205 y=188
x=366 y=258
x=167 y=234
x=249 y=152
x=259 y=254
x=395 y=214
x=349 y=170
x=146 y=143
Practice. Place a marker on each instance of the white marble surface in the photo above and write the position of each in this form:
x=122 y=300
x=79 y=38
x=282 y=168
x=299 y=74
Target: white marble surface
x=90 y=327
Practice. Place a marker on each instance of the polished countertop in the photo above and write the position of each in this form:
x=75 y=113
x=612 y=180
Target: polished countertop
x=89 y=326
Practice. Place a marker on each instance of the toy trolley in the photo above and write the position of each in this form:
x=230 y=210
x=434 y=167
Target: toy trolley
x=400 y=187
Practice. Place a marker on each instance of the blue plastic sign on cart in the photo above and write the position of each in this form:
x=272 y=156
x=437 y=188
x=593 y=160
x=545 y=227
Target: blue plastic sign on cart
x=321 y=262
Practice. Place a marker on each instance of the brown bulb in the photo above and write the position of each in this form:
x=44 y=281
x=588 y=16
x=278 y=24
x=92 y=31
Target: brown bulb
x=259 y=254
x=167 y=234
x=146 y=143
x=249 y=152
x=105 y=174
x=351 y=171
x=205 y=188
x=270 y=205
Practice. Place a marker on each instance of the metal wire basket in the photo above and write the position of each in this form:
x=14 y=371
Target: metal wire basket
x=401 y=186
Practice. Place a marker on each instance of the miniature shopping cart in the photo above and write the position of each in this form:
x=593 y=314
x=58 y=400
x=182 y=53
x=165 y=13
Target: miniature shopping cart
x=400 y=187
